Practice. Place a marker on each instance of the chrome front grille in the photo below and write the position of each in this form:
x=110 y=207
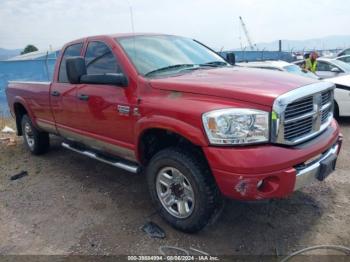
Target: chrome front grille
x=298 y=108
x=325 y=114
x=293 y=130
x=326 y=97
x=302 y=113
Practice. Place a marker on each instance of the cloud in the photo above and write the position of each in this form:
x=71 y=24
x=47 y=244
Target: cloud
x=216 y=23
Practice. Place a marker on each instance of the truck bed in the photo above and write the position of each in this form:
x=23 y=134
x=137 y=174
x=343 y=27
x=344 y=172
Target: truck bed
x=34 y=95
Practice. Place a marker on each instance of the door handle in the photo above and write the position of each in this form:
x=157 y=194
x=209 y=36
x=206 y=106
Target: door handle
x=83 y=97
x=55 y=93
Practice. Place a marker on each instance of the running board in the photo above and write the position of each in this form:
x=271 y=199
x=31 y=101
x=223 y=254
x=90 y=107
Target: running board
x=126 y=166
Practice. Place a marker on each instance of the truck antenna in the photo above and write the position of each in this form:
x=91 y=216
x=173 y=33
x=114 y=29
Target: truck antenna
x=132 y=19
x=132 y=24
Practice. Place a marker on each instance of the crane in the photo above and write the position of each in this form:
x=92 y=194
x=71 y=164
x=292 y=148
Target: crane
x=251 y=46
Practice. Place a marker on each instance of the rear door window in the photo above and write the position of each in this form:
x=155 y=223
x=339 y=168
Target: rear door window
x=99 y=59
x=72 y=50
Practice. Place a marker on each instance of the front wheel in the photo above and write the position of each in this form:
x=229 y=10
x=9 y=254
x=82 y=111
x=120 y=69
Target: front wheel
x=182 y=189
x=37 y=142
x=336 y=110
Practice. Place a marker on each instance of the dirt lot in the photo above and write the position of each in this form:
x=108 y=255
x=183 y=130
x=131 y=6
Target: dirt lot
x=69 y=204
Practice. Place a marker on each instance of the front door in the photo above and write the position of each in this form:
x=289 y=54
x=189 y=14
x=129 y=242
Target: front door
x=105 y=110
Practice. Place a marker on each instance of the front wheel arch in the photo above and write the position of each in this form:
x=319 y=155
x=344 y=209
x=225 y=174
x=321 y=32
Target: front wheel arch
x=154 y=140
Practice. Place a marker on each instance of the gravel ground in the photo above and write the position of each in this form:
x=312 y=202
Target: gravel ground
x=69 y=204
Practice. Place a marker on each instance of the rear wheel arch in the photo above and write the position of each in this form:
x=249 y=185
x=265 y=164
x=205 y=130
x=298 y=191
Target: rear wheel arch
x=36 y=141
x=19 y=110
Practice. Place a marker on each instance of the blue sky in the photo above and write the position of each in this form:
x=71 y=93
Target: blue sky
x=54 y=22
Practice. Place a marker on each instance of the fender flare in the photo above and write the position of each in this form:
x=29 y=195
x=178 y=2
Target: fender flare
x=20 y=100
x=191 y=133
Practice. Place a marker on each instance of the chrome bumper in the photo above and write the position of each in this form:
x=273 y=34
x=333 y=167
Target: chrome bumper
x=308 y=174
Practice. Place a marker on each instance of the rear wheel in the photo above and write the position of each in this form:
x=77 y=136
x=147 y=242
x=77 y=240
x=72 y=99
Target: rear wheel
x=37 y=142
x=182 y=189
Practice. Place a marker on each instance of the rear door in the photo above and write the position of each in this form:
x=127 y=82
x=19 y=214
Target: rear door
x=105 y=110
x=63 y=94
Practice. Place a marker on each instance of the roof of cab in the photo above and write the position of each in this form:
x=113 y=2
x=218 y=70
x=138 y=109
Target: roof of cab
x=118 y=35
x=136 y=34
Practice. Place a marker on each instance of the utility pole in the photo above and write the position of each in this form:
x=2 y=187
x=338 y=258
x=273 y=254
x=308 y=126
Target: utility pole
x=280 y=45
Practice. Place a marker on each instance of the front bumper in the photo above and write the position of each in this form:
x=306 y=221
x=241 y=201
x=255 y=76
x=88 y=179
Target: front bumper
x=270 y=171
x=307 y=174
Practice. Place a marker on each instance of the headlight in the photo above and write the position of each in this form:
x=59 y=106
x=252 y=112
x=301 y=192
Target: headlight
x=234 y=126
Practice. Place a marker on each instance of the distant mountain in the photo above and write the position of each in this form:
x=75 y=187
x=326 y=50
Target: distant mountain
x=328 y=42
x=8 y=53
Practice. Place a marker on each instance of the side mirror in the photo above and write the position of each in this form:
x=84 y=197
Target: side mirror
x=77 y=74
x=105 y=79
x=231 y=58
x=335 y=70
x=76 y=68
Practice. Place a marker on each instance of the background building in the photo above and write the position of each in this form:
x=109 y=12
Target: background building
x=35 y=66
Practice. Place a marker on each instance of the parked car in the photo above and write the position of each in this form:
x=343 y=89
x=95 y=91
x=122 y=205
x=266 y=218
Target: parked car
x=280 y=66
x=342 y=83
x=344 y=58
x=329 y=67
x=327 y=53
x=344 y=52
x=341 y=95
x=171 y=109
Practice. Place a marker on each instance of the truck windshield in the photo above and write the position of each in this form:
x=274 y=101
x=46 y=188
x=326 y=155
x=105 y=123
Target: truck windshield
x=154 y=55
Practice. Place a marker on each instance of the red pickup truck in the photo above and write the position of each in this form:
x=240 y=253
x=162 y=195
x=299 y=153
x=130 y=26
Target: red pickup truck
x=172 y=109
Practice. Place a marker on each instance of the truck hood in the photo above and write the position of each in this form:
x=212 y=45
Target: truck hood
x=256 y=86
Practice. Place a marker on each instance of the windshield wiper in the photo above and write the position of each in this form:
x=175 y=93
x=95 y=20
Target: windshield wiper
x=209 y=64
x=188 y=67
x=214 y=64
x=169 y=68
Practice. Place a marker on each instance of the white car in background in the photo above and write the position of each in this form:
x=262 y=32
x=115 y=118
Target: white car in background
x=344 y=58
x=329 y=67
x=344 y=52
x=342 y=83
x=279 y=65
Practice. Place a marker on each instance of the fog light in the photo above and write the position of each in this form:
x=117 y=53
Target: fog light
x=268 y=184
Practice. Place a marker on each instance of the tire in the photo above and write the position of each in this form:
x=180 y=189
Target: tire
x=336 y=111
x=195 y=177
x=36 y=141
